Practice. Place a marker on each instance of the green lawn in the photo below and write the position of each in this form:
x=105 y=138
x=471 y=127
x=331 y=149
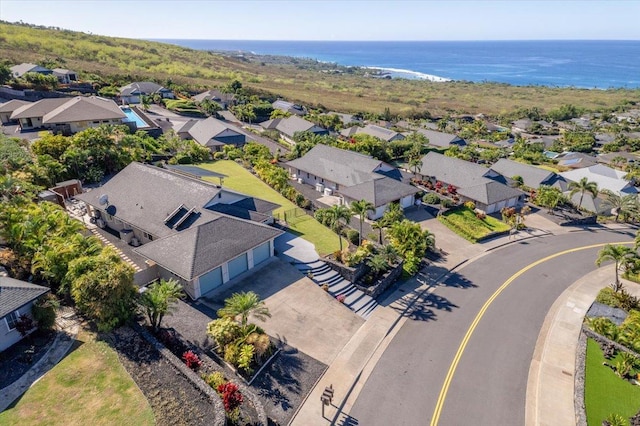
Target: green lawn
x=89 y=386
x=605 y=393
x=241 y=180
x=465 y=223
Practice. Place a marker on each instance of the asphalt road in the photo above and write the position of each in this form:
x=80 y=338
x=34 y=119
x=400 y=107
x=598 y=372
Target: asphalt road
x=489 y=384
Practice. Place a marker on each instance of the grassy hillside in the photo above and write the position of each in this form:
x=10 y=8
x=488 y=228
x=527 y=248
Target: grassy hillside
x=296 y=80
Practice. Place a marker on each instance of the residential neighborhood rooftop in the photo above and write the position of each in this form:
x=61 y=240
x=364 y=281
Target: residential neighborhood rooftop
x=16 y=293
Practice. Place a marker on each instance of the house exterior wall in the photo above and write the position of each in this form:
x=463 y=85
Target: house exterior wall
x=225 y=197
x=30 y=123
x=406 y=202
x=311 y=179
x=11 y=337
x=79 y=126
x=4 y=117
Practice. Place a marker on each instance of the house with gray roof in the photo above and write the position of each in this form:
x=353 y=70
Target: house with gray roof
x=65 y=76
x=7 y=108
x=289 y=107
x=379 y=132
x=289 y=126
x=223 y=99
x=177 y=221
x=68 y=115
x=532 y=176
x=133 y=92
x=473 y=182
x=212 y=133
x=20 y=70
x=352 y=177
x=16 y=299
x=442 y=140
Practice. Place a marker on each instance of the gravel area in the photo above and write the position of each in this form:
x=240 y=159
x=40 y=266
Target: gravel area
x=283 y=385
x=173 y=398
x=280 y=387
x=19 y=358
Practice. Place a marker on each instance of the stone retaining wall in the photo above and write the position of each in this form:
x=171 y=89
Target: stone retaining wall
x=382 y=284
x=349 y=273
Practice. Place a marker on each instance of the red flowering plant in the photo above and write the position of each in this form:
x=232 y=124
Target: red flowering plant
x=452 y=189
x=192 y=360
x=231 y=396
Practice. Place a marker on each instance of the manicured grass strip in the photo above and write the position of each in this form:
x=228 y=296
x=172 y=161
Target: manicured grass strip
x=605 y=393
x=88 y=387
x=241 y=180
x=465 y=223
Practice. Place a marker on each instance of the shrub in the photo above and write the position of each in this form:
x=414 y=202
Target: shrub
x=231 y=354
x=231 y=396
x=481 y=215
x=44 y=311
x=340 y=298
x=218 y=155
x=470 y=205
x=24 y=325
x=325 y=287
x=245 y=358
x=621 y=299
x=431 y=198
x=223 y=330
x=192 y=360
x=353 y=236
x=215 y=379
x=446 y=203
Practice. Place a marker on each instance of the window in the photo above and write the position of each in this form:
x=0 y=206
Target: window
x=12 y=319
x=147 y=236
x=307 y=175
x=322 y=180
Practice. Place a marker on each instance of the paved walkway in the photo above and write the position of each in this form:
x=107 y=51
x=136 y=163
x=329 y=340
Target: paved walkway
x=68 y=329
x=349 y=372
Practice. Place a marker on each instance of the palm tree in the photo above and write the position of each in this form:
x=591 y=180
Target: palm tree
x=582 y=186
x=244 y=304
x=379 y=224
x=159 y=300
x=619 y=254
x=338 y=213
x=415 y=164
x=618 y=204
x=360 y=208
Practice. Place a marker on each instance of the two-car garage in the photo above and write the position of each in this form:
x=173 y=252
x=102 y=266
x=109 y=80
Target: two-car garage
x=215 y=278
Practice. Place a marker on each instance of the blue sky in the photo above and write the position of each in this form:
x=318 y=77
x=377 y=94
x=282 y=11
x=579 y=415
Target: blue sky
x=336 y=20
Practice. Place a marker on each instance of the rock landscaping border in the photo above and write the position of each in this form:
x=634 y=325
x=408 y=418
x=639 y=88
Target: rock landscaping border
x=220 y=417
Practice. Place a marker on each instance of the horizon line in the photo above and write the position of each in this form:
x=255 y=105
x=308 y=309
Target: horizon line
x=381 y=41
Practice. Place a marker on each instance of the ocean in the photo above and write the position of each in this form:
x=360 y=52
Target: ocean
x=600 y=64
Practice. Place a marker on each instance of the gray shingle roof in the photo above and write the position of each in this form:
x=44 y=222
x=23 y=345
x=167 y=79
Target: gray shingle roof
x=20 y=70
x=452 y=170
x=197 y=251
x=288 y=107
x=344 y=167
x=379 y=132
x=144 y=196
x=15 y=293
x=489 y=192
x=256 y=204
x=532 y=176
x=204 y=131
x=83 y=108
x=12 y=105
x=142 y=87
x=441 y=139
x=38 y=109
x=290 y=125
x=379 y=191
x=214 y=95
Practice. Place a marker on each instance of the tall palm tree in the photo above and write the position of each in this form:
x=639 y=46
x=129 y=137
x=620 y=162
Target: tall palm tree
x=621 y=255
x=338 y=214
x=361 y=208
x=415 y=164
x=244 y=304
x=618 y=204
x=582 y=186
x=159 y=300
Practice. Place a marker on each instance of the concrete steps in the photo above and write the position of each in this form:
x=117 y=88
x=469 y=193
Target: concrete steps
x=356 y=300
x=123 y=256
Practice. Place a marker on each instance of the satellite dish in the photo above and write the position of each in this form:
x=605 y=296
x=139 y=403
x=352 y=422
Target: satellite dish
x=104 y=199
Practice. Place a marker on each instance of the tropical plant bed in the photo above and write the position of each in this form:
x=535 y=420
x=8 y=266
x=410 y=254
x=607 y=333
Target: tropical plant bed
x=19 y=358
x=468 y=225
x=606 y=393
x=173 y=398
x=204 y=366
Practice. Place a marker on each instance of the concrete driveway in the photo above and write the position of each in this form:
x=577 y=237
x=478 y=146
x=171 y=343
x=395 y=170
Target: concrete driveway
x=302 y=314
x=292 y=248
